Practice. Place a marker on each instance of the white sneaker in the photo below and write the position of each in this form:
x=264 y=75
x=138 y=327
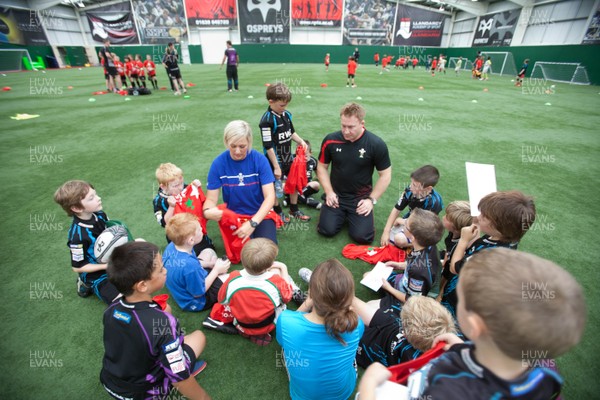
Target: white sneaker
x=305 y=274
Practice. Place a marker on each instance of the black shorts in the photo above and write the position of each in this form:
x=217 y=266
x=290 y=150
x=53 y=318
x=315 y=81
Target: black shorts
x=206 y=243
x=350 y=75
x=112 y=71
x=391 y=304
x=175 y=73
x=212 y=294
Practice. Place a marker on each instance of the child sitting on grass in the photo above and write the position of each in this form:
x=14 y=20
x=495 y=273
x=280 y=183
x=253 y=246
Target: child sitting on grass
x=509 y=302
x=80 y=201
x=391 y=339
x=170 y=184
x=193 y=287
x=505 y=218
x=424 y=229
x=419 y=194
x=256 y=295
x=145 y=351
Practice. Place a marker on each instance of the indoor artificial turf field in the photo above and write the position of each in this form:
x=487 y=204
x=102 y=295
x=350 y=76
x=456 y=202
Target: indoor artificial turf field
x=541 y=138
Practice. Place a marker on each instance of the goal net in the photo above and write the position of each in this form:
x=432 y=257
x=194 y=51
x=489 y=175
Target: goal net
x=503 y=62
x=12 y=59
x=465 y=65
x=573 y=73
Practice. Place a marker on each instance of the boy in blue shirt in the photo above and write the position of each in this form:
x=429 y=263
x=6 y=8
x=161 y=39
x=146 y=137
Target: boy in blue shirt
x=419 y=194
x=192 y=287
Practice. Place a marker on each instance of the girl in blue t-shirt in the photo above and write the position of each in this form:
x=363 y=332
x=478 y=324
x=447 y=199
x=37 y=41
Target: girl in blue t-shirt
x=319 y=340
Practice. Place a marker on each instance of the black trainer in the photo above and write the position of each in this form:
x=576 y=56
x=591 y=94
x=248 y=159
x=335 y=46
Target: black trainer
x=83 y=289
x=220 y=326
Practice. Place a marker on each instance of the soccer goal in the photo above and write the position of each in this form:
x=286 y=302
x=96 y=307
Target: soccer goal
x=466 y=65
x=573 y=73
x=503 y=62
x=12 y=59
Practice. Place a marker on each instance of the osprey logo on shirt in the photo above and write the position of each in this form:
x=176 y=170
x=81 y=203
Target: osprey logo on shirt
x=338 y=150
x=121 y=316
x=241 y=179
x=362 y=153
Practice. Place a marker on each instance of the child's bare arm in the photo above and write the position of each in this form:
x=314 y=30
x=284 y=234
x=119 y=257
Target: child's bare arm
x=467 y=235
x=394 y=292
x=374 y=376
x=90 y=268
x=385 y=235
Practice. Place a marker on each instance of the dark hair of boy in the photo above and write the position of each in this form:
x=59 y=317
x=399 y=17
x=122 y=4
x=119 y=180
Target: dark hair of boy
x=427 y=175
x=511 y=212
x=131 y=263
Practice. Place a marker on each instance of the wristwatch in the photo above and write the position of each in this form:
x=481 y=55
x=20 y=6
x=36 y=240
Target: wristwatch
x=373 y=200
x=253 y=223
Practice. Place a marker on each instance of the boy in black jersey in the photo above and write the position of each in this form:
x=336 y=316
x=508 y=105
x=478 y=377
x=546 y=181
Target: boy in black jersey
x=277 y=133
x=509 y=302
x=505 y=218
x=145 y=351
x=392 y=339
x=80 y=201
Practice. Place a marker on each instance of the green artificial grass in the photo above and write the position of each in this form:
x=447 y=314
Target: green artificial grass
x=52 y=339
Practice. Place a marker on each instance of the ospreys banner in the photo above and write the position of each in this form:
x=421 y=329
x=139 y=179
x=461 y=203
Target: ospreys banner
x=319 y=13
x=264 y=21
x=24 y=27
x=418 y=27
x=496 y=29
x=366 y=23
x=114 y=22
x=160 y=22
x=211 y=13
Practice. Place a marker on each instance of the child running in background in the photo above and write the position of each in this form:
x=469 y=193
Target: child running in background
x=151 y=68
x=522 y=72
x=319 y=340
x=326 y=62
x=486 y=69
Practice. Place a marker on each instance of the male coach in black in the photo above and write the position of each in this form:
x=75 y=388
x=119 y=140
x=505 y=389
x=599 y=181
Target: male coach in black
x=353 y=153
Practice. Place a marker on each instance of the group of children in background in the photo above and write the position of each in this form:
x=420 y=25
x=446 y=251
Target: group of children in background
x=132 y=69
x=481 y=295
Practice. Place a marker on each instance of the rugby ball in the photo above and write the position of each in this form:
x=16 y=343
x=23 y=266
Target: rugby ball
x=112 y=237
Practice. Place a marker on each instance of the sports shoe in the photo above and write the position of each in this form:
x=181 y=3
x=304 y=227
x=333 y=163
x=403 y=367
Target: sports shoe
x=284 y=218
x=220 y=326
x=286 y=200
x=300 y=215
x=298 y=296
x=198 y=367
x=83 y=289
x=229 y=90
x=305 y=274
x=313 y=203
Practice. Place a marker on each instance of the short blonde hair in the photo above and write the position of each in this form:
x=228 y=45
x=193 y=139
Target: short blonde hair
x=237 y=130
x=424 y=319
x=353 y=109
x=181 y=227
x=532 y=308
x=168 y=172
x=458 y=213
x=258 y=255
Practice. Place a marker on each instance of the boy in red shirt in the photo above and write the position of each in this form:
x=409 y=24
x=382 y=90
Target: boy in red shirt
x=414 y=62
x=151 y=68
x=351 y=71
x=433 y=66
x=257 y=294
x=326 y=62
x=376 y=59
x=121 y=71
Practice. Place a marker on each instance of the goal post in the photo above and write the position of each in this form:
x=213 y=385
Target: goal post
x=503 y=62
x=573 y=73
x=465 y=66
x=12 y=59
